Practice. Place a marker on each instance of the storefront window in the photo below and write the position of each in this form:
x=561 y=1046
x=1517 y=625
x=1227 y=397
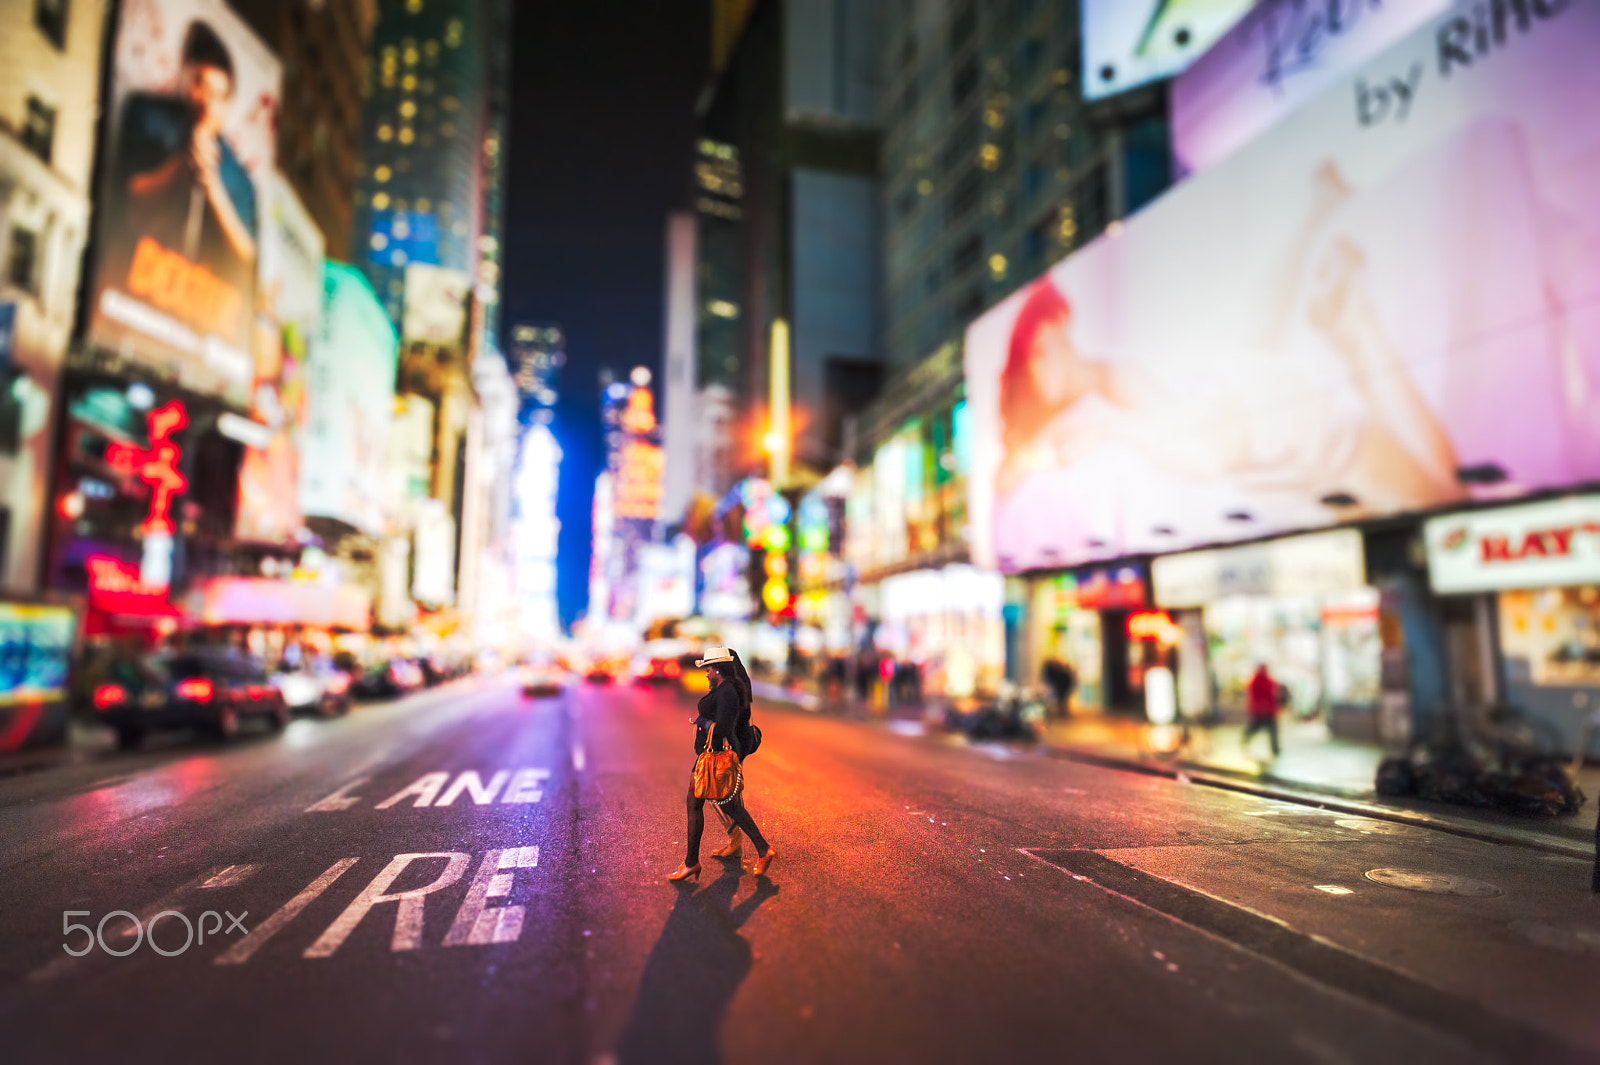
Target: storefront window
x=1325 y=651
x=1556 y=631
x=1065 y=631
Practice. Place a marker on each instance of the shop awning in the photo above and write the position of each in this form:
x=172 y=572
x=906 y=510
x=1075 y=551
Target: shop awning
x=264 y=601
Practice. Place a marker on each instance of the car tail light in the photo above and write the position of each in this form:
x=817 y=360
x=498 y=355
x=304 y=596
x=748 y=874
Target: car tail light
x=673 y=669
x=108 y=695
x=199 y=689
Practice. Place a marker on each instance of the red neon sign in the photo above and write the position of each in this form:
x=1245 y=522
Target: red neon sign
x=111 y=576
x=160 y=470
x=157 y=467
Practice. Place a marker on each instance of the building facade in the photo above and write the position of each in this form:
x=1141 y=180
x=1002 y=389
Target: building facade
x=786 y=201
x=50 y=55
x=427 y=233
x=994 y=163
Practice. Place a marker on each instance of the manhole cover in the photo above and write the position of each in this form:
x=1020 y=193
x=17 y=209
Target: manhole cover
x=1373 y=827
x=1568 y=938
x=1433 y=883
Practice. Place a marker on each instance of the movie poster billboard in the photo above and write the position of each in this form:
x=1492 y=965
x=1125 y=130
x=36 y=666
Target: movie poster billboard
x=1388 y=304
x=193 y=104
x=436 y=304
x=1278 y=56
x=349 y=403
x=1127 y=43
x=289 y=308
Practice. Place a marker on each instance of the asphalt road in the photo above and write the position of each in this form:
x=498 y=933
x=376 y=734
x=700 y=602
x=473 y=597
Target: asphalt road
x=465 y=875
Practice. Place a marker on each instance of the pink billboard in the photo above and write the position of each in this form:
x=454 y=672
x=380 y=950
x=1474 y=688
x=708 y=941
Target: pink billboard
x=1281 y=54
x=1388 y=303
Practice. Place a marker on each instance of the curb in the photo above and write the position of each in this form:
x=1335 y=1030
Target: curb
x=1189 y=773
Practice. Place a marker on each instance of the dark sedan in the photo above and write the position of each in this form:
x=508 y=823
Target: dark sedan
x=215 y=691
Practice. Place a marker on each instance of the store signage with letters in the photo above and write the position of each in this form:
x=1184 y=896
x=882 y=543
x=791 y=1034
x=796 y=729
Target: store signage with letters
x=1536 y=545
x=1329 y=563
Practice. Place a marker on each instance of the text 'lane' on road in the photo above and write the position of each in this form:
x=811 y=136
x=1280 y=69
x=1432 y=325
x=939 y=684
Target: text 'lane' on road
x=525 y=785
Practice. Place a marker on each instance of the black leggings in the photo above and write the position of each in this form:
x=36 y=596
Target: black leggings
x=734 y=808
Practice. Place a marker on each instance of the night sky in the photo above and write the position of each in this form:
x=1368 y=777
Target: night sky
x=602 y=143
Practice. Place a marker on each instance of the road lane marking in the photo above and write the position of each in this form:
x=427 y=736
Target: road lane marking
x=339 y=800
x=425 y=788
x=240 y=952
x=408 y=918
x=470 y=781
x=232 y=876
x=578 y=758
x=475 y=923
x=524 y=786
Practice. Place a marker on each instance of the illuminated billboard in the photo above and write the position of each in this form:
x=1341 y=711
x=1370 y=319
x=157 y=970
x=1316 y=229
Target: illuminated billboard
x=1274 y=59
x=194 y=100
x=1127 y=43
x=1387 y=304
x=436 y=304
x=35 y=652
x=350 y=402
x=289 y=302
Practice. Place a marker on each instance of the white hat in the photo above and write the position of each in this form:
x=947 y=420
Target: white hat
x=714 y=655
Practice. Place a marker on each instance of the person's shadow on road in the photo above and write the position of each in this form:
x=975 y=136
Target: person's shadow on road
x=692 y=974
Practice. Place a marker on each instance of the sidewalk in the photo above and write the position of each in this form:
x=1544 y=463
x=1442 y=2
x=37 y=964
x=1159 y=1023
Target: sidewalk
x=1314 y=768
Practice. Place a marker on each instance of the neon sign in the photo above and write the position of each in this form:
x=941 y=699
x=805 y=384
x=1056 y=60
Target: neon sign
x=160 y=470
x=1155 y=625
x=113 y=577
x=639 y=417
x=156 y=467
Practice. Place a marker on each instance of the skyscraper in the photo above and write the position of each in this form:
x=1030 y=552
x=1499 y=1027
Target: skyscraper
x=995 y=165
x=323 y=47
x=422 y=139
x=428 y=223
x=786 y=199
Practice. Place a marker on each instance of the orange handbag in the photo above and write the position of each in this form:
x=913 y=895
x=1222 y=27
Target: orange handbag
x=717 y=776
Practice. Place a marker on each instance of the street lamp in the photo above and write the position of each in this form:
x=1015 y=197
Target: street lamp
x=777 y=437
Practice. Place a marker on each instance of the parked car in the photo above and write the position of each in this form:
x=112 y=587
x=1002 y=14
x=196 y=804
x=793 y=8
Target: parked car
x=541 y=681
x=388 y=678
x=659 y=662
x=213 y=689
x=692 y=678
x=600 y=671
x=656 y=670
x=314 y=686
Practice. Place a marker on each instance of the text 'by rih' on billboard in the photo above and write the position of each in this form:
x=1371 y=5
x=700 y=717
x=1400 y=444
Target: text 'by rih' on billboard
x=1128 y=43
x=194 y=98
x=1388 y=303
x=1278 y=56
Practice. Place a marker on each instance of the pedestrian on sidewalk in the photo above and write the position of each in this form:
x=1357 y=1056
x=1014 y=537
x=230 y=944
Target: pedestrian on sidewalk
x=724 y=720
x=1262 y=701
x=1061 y=680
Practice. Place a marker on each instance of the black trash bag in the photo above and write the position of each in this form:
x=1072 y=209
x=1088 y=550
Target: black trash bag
x=1396 y=778
x=993 y=721
x=1451 y=775
x=1539 y=785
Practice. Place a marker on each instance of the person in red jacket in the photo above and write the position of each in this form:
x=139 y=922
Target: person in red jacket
x=1261 y=703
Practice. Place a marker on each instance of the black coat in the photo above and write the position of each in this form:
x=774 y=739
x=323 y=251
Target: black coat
x=726 y=705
